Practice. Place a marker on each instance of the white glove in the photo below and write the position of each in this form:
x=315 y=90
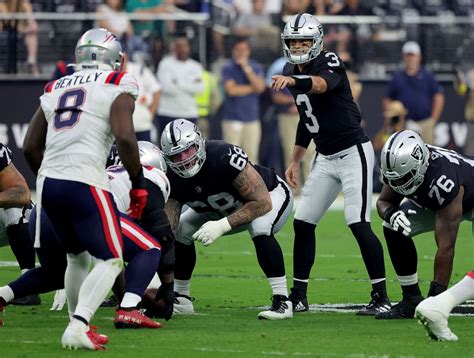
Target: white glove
x=399 y=221
x=211 y=231
x=59 y=300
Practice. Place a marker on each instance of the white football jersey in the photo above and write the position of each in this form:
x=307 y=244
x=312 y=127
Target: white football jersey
x=120 y=184
x=79 y=137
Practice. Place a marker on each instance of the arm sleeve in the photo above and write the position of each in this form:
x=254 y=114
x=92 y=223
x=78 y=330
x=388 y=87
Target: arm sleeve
x=5 y=156
x=332 y=78
x=303 y=138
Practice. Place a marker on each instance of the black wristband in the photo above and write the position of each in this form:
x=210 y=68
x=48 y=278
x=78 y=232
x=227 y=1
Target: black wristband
x=387 y=214
x=139 y=181
x=303 y=83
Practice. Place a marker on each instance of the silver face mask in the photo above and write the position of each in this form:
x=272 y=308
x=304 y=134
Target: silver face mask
x=177 y=137
x=404 y=161
x=302 y=27
x=98 y=49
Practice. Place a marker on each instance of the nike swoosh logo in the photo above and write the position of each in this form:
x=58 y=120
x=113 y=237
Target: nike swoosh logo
x=343 y=156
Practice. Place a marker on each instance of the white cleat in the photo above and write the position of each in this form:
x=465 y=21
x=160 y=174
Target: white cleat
x=282 y=308
x=73 y=339
x=183 y=305
x=435 y=320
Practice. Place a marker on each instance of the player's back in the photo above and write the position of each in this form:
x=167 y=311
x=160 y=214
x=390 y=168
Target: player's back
x=79 y=138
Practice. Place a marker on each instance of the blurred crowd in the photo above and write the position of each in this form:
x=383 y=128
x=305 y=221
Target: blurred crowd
x=228 y=94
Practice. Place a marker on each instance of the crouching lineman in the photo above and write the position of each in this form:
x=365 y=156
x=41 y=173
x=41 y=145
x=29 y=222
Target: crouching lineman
x=226 y=194
x=438 y=185
x=141 y=250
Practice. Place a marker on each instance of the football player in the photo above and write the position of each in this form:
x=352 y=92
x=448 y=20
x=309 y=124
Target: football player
x=141 y=250
x=14 y=211
x=66 y=146
x=344 y=156
x=438 y=186
x=225 y=194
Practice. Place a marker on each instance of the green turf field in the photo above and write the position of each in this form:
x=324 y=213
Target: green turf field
x=229 y=288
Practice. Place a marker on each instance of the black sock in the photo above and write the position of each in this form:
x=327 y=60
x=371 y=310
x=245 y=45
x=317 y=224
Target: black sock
x=185 y=260
x=380 y=287
x=402 y=252
x=411 y=291
x=22 y=245
x=372 y=253
x=304 y=252
x=269 y=255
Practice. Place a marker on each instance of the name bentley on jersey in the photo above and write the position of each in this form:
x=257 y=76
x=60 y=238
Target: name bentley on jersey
x=446 y=173
x=120 y=184
x=79 y=137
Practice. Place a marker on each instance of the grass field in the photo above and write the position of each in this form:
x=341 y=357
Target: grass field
x=230 y=290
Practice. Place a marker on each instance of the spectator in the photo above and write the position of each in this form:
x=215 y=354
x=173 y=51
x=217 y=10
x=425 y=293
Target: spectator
x=28 y=29
x=243 y=83
x=419 y=92
x=208 y=101
x=465 y=87
x=147 y=28
x=181 y=79
x=248 y=24
x=288 y=119
x=148 y=96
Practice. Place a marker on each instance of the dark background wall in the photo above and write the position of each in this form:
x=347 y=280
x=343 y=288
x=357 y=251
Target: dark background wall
x=20 y=99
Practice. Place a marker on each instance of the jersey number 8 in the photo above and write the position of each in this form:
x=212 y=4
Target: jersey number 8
x=68 y=111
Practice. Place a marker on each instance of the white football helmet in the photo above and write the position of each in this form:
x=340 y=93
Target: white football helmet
x=404 y=160
x=98 y=49
x=302 y=27
x=151 y=155
x=177 y=137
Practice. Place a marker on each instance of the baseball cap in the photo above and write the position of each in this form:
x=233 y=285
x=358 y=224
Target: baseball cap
x=411 y=47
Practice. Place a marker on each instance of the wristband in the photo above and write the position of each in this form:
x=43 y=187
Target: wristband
x=303 y=83
x=387 y=214
x=139 y=180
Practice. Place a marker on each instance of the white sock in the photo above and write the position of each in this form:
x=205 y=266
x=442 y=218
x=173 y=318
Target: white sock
x=278 y=285
x=408 y=280
x=76 y=272
x=130 y=300
x=183 y=287
x=155 y=282
x=24 y=270
x=457 y=294
x=77 y=325
x=7 y=293
x=96 y=286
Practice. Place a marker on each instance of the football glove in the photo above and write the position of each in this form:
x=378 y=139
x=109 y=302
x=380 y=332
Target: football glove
x=138 y=196
x=399 y=220
x=59 y=300
x=211 y=231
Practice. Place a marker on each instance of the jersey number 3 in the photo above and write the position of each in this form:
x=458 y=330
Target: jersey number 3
x=312 y=122
x=68 y=111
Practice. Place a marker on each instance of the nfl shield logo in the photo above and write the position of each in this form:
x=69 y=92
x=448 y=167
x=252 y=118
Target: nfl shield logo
x=417 y=153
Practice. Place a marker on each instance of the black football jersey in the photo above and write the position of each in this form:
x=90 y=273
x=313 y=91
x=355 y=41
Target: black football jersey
x=211 y=189
x=447 y=171
x=5 y=156
x=332 y=118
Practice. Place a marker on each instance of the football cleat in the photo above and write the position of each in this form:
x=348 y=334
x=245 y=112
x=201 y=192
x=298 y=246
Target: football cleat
x=31 y=300
x=404 y=309
x=72 y=339
x=183 y=304
x=99 y=338
x=112 y=301
x=435 y=320
x=282 y=308
x=133 y=319
x=377 y=304
x=300 y=304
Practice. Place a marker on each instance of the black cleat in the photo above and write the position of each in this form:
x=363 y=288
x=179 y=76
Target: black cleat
x=112 y=301
x=377 y=304
x=31 y=300
x=300 y=303
x=405 y=309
